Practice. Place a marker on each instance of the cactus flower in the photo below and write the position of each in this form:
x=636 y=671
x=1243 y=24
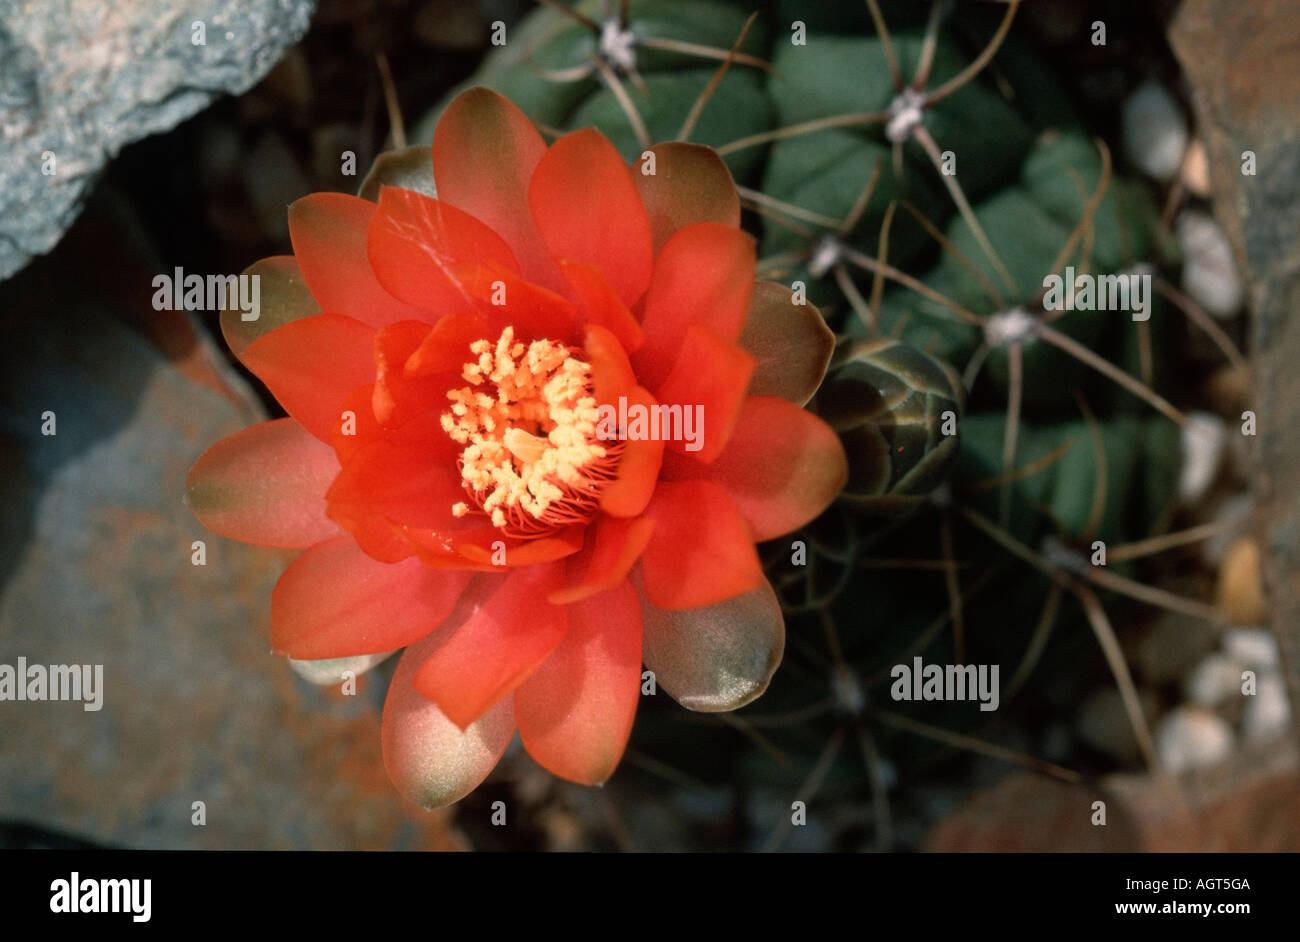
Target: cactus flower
x=536 y=425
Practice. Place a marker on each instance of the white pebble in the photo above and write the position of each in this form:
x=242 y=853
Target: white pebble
x=1213 y=680
x=1191 y=737
x=1238 y=508
x=1154 y=131
x=1268 y=712
x=1204 y=437
x=1210 y=273
x=1254 y=647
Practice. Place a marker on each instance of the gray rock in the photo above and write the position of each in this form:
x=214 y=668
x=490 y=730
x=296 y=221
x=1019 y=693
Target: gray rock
x=81 y=79
x=97 y=567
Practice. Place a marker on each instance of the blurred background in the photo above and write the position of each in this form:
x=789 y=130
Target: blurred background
x=126 y=151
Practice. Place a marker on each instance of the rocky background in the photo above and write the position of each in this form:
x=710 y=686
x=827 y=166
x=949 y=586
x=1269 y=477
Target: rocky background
x=171 y=154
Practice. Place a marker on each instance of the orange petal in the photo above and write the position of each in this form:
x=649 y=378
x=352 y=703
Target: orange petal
x=782 y=467
x=613 y=546
x=408 y=475
x=611 y=370
x=587 y=209
x=476 y=663
x=718 y=657
x=430 y=760
x=335 y=601
x=526 y=553
x=703 y=275
x=701 y=551
x=600 y=305
x=575 y=711
x=395 y=394
x=638 y=467
x=313 y=365
x=415 y=244
x=377 y=536
x=506 y=299
x=690 y=184
x=708 y=383
x=265 y=485
x=356 y=425
x=445 y=349
x=790 y=342
x=484 y=153
x=441 y=549
x=328 y=231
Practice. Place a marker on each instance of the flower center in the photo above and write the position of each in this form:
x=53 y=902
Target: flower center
x=532 y=460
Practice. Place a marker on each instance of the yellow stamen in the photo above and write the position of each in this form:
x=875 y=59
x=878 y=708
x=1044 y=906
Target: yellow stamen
x=532 y=461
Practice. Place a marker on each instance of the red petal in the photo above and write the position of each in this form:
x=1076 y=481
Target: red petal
x=328 y=231
x=265 y=485
x=527 y=553
x=395 y=393
x=415 y=243
x=690 y=184
x=378 y=537
x=335 y=601
x=357 y=425
x=506 y=299
x=587 y=209
x=493 y=651
x=701 y=551
x=430 y=760
x=611 y=370
x=703 y=275
x=313 y=365
x=575 y=711
x=638 y=468
x=484 y=153
x=446 y=348
x=782 y=467
x=408 y=475
x=709 y=379
x=613 y=546
x=600 y=305
x=442 y=548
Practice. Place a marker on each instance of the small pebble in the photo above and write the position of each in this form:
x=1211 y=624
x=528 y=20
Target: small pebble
x=1203 y=439
x=1268 y=712
x=1213 y=680
x=1210 y=273
x=1191 y=737
x=1256 y=648
x=1154 y=131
